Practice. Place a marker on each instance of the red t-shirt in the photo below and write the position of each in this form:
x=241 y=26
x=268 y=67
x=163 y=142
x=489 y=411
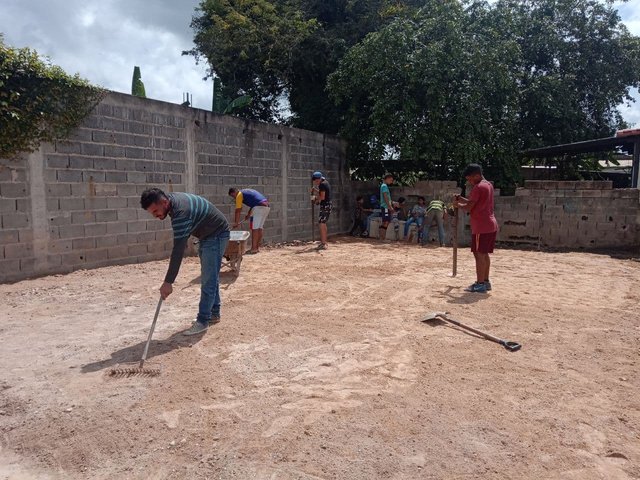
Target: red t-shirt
x=482 y=218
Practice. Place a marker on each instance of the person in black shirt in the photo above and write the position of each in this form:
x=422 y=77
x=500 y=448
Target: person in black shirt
x=323 y=198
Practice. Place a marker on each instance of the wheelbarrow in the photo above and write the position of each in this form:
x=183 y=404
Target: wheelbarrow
x=236 y=248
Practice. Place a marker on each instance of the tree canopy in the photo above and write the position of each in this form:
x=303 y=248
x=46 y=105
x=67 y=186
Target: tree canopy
x=38 y=101
x=430 y=84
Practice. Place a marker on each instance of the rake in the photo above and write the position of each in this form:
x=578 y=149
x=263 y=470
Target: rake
x=140 y=370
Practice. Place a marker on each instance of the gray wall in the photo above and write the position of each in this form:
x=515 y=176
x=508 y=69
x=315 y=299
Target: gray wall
x=75 y=204
x=572 y=215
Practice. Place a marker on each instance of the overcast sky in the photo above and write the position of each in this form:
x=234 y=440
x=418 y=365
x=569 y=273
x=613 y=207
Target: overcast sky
x=103 y=40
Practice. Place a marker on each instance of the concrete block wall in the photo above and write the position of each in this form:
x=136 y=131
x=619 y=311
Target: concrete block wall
x=581 y=215
x=75 y=204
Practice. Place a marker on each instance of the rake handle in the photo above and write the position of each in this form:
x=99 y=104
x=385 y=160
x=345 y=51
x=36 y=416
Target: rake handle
x=153 y=326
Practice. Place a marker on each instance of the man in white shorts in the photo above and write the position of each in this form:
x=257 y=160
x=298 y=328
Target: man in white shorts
x=258 y=212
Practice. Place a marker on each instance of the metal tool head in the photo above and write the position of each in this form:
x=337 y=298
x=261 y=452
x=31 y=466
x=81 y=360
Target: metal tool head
x=133 y=371
x=512 y=346
x=434 y=316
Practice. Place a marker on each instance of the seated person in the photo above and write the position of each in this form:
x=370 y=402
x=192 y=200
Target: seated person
x=416 y=216
x=360 y=217
x=376 y=212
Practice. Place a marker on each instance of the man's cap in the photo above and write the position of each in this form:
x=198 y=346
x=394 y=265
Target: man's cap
x=472 y=169
x=317 y=175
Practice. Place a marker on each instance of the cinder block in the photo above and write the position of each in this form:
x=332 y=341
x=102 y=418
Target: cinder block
x=71 y=204
x=95 y=203
x=114 y=151
x=116 y=228
x=8 y=205
x=72 y=259
x=84 y=243
x=92 y=149
x=72 y=176
x=57 y=161
x=80 y=163
x=106 y=241
x=135 y=250
x=18 y=250
x=95 y=230
x=8 y=267
x=14 y=220
x=106 y=216
x=106 y=190
x=93 y=176
x=116 y=177
x=127 y=190
x=68 y=147
x=121 y=251
x=9 y=236
x=136 y=177
x=60 y=246
x=116 y=202
x=71 y=231
x=97 y=255
x=13 y=190
x=135 y=227
x=133 y=152
x=127 y=214
x=58 y=190
x=83 y=217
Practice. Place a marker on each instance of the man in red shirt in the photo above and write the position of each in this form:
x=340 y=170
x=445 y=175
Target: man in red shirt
x=484 y=226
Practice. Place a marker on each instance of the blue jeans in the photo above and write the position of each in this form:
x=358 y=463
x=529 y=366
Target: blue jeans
x=211 y=251
x=439 y=216
x=418 y=221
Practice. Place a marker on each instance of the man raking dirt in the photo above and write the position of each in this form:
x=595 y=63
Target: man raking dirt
x=193 y=215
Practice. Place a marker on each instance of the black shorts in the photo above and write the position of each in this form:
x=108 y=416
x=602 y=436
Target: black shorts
x=325 y=212
x=386 y=215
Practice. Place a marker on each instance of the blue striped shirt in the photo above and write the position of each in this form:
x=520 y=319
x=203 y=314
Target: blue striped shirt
x=191 y=215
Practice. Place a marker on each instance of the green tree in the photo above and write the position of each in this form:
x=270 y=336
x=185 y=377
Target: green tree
x=39 y=102
x=432 y=91
x=137 y=87
x=280 y=52
x=248 y=44
x=577 y=64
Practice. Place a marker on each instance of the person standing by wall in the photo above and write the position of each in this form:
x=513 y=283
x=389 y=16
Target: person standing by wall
x=323 y=198
x=258 y=212
x=193 y=215
x=484 y=227
x=435 y=210
x=386 y=206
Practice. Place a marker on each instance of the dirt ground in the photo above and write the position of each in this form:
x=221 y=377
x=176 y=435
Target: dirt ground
x=322 y=369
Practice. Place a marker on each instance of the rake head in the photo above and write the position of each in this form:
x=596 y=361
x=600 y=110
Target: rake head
x=134 y=371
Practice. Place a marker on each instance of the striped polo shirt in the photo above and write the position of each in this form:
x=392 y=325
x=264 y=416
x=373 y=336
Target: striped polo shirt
x=191 y=215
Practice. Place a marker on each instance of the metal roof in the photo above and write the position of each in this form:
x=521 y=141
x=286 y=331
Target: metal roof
x=623 y=143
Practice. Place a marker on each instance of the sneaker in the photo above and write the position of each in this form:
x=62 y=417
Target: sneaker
x=196 y=328
x=476 y=288
x=214 y=319
x=322 y=246
x=488 y=285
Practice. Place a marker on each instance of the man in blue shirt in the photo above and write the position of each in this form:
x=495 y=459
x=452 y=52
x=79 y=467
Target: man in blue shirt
x=193 y=215
x=258 y=212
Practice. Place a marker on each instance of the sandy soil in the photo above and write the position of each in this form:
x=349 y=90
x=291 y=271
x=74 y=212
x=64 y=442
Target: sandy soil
x=322 y=369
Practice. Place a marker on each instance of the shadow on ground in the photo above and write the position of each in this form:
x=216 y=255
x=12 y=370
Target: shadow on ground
x=133 y=354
